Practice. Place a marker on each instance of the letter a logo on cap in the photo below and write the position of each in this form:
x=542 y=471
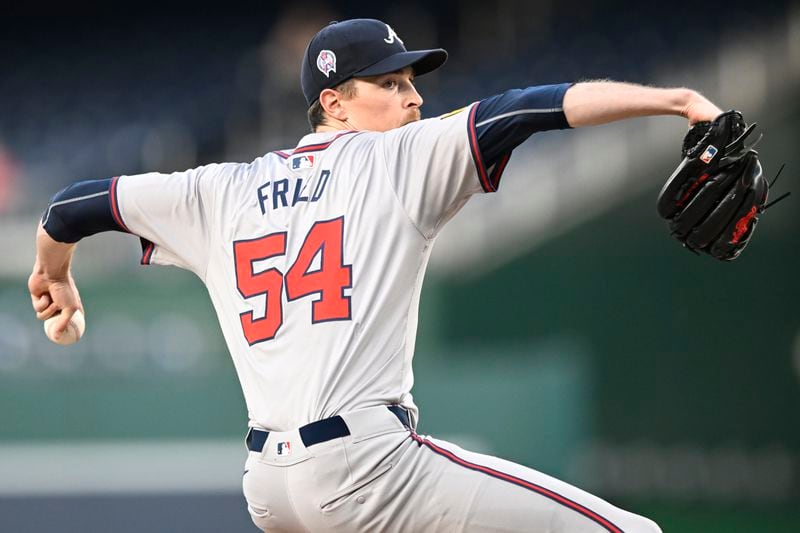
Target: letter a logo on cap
x=392 y=36
x=326 y=62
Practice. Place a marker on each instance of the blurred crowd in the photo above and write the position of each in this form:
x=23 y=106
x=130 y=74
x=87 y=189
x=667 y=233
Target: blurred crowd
x=84 y=98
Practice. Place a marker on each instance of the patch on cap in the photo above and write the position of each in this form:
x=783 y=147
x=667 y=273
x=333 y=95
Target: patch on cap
x=326 y=62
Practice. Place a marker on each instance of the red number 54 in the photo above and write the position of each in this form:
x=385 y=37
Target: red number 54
x=328 y=281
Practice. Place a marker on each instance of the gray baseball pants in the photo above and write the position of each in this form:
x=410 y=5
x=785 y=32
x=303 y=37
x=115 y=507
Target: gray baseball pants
x=383 y=477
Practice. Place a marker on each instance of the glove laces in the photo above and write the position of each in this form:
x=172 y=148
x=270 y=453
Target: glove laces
x=769 y=187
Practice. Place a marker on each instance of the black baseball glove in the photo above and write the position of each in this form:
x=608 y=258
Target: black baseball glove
x=714 y=198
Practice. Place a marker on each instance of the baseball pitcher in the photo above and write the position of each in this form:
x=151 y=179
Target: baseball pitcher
x=314 y=258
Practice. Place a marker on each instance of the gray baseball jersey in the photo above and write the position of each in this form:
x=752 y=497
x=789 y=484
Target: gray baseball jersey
x=313 y=258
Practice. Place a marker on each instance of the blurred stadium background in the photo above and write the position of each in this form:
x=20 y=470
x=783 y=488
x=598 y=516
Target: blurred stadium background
x=560 y=326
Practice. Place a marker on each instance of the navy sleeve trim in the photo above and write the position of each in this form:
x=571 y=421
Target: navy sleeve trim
x=519 y=112
x=85 y=208
x=79 y=210
x=506 y=120
x=46 y=218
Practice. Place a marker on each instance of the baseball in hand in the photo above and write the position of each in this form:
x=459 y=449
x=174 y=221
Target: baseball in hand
x=71 y=335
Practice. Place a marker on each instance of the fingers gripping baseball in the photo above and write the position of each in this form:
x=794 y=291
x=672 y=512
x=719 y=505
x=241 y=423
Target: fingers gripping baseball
x=42 y=305
x=54 y=297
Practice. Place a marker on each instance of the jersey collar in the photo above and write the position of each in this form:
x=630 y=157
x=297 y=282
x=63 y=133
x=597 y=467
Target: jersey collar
x=316 y=142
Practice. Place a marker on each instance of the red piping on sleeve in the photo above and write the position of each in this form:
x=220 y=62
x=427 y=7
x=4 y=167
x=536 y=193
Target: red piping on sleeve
x=115 y=212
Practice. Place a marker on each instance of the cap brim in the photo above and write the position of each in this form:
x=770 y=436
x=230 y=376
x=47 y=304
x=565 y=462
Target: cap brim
x=422 y=61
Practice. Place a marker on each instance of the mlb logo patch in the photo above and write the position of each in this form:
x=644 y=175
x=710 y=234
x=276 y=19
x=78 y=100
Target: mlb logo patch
x=709 y=154
x=284 y=448
x=302 y=161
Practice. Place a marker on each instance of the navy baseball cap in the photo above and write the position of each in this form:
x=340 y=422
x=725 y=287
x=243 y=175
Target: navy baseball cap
x=359 y=47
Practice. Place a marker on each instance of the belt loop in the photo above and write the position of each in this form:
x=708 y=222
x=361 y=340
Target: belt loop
x=402 y=414
x=256 y=439
x=248 y=438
